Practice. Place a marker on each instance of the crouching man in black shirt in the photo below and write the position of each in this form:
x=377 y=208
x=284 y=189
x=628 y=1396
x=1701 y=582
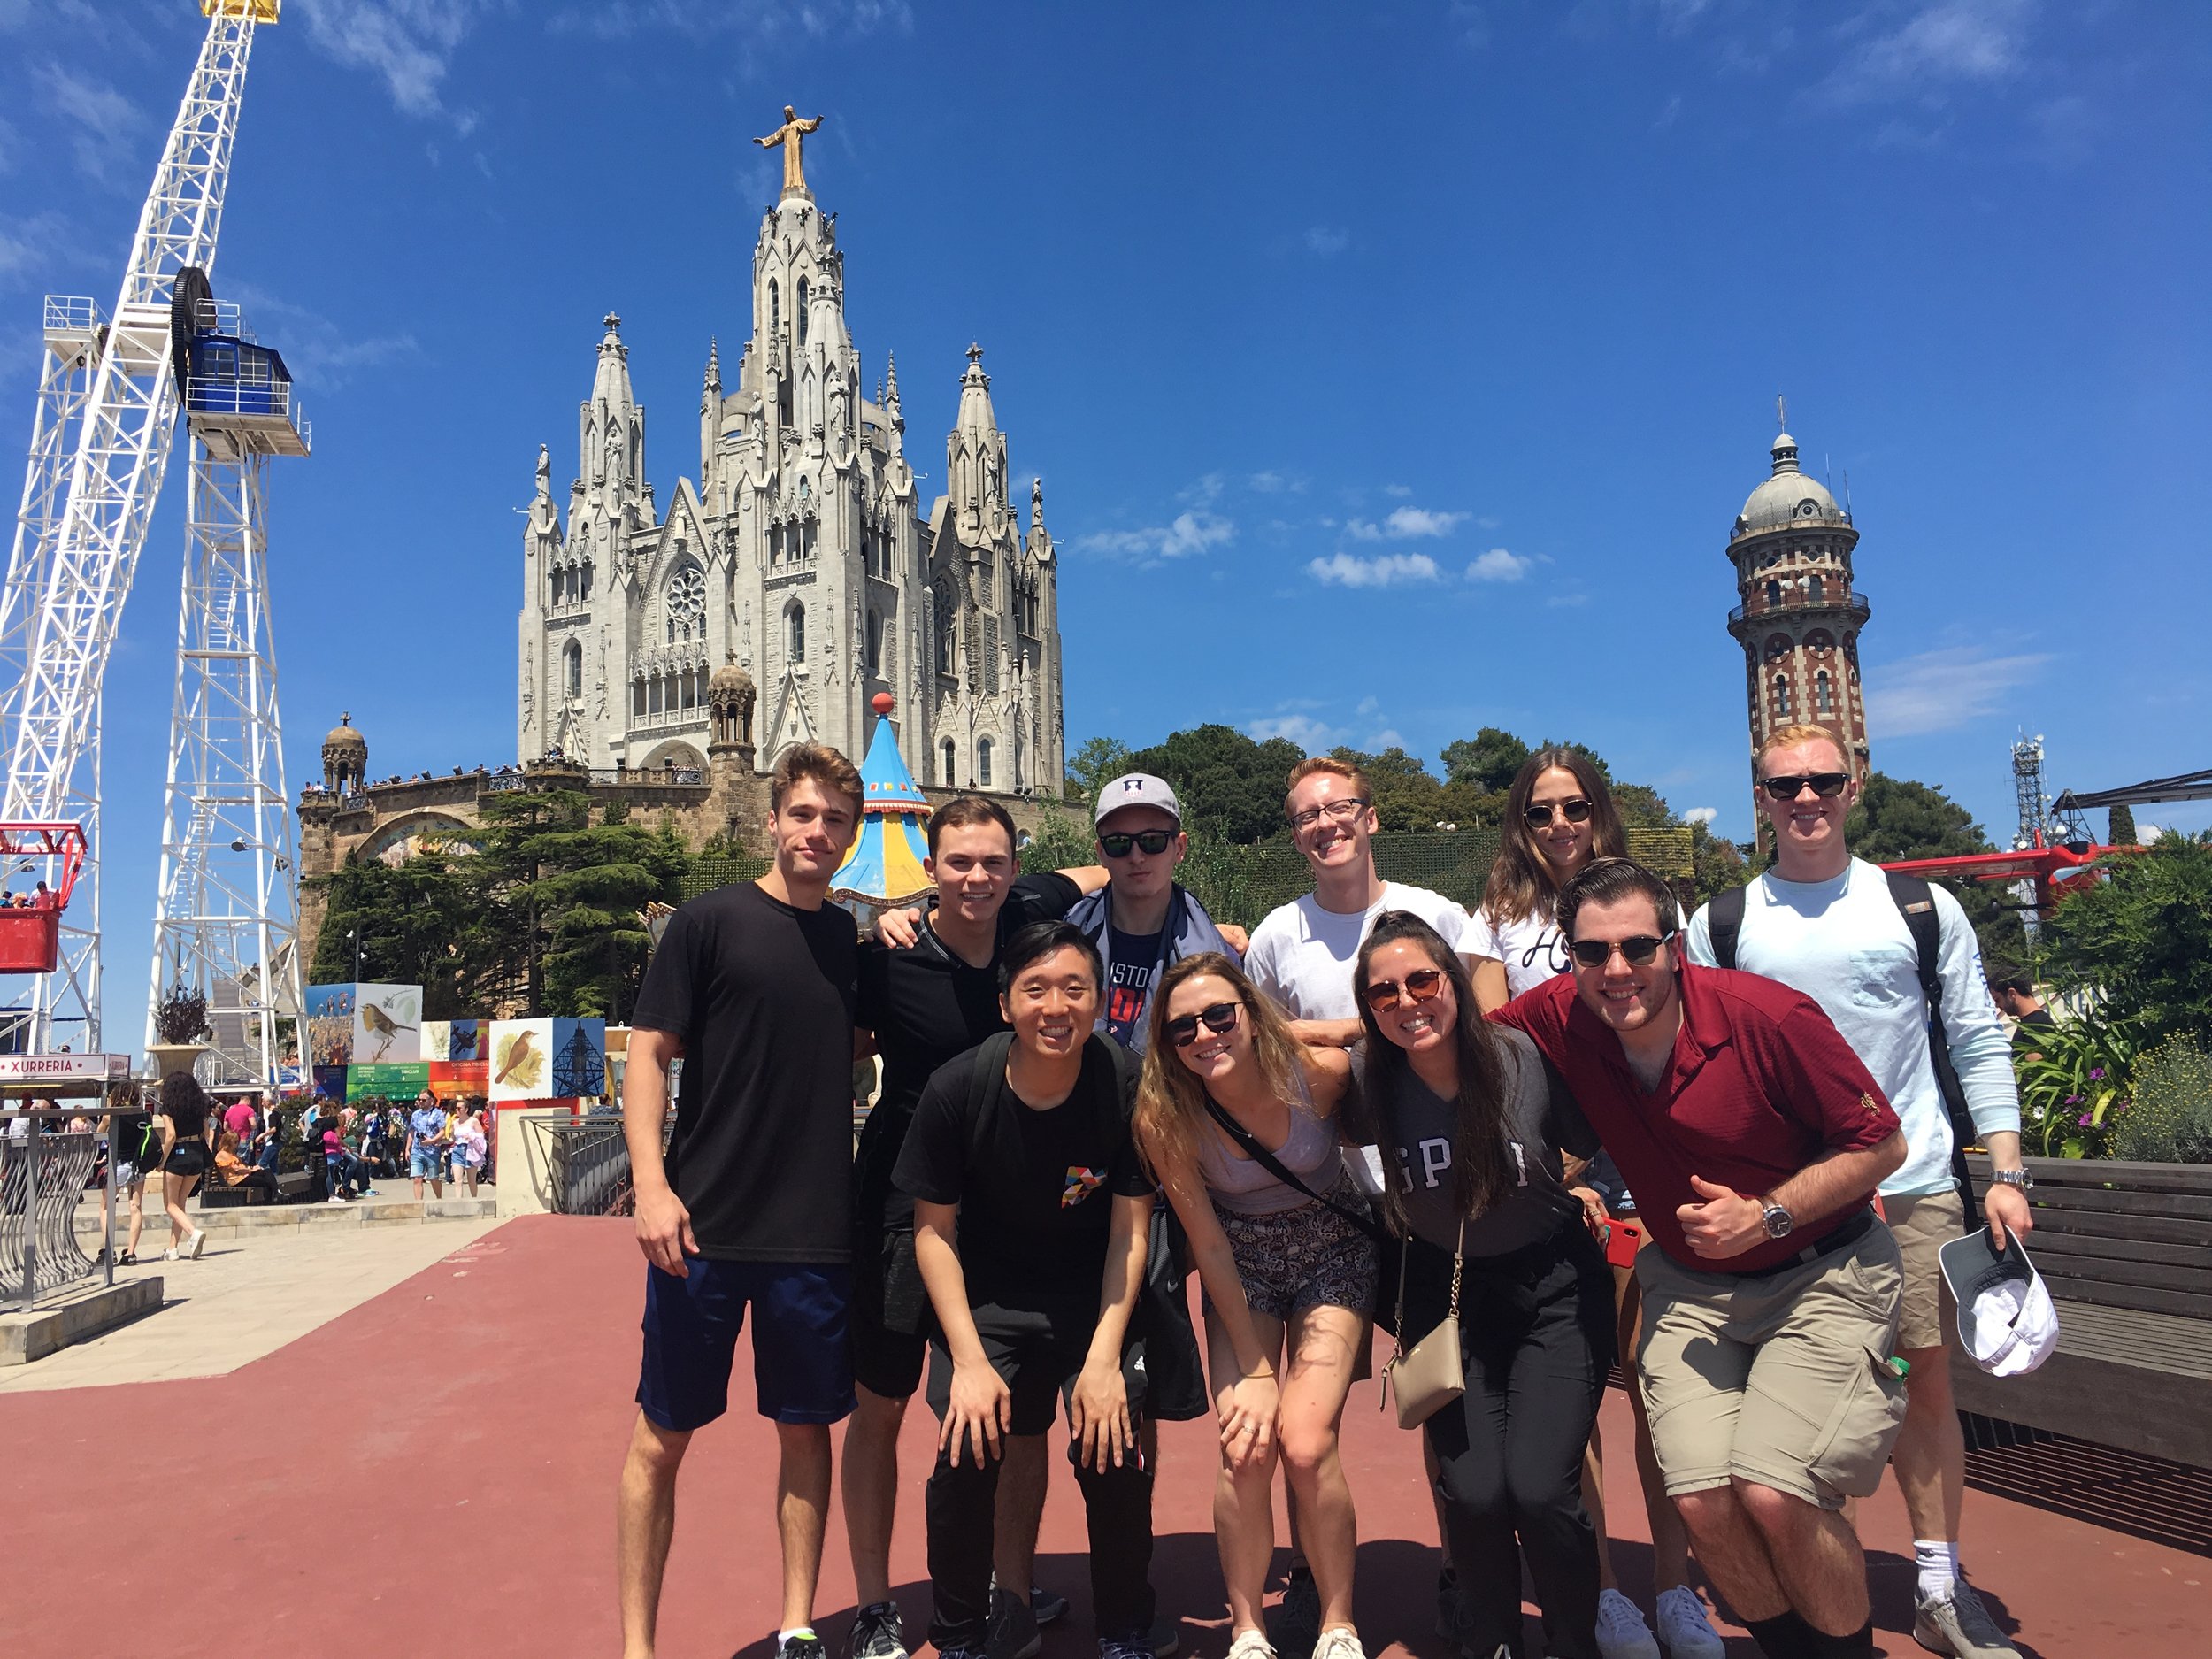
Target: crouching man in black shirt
x=1023 y=1146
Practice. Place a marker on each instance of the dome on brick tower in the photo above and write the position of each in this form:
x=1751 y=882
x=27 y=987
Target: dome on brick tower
x=1787 y=496
x=345 y=756
x=730 y=680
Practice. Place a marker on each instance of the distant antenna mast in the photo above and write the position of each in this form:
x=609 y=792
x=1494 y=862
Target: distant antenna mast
x=1781 y=412
x=2034 y=808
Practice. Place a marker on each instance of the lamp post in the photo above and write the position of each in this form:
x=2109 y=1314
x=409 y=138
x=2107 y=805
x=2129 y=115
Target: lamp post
x=354 y=934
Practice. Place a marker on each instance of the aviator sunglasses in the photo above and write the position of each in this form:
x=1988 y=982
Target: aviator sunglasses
x=1422 y=985
x=1117 y=844
x=1575 y=811
x=1595 y=953
x=1826 y=785
x=1219 y=1018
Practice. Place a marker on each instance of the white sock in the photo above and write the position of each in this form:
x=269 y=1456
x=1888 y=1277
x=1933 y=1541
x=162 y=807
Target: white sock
x=1939 y=1565
x=783 y=1636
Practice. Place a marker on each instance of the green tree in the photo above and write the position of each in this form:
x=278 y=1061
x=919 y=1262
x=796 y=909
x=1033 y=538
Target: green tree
x=404 y=915
x=1098 y=763
x=2141 y=937
x=2122 y=830
x=1226 y=781
x=1406 y=796
x=1487 y=760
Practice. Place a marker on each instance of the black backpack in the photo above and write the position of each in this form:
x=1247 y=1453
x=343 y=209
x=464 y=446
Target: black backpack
x=1916 y=901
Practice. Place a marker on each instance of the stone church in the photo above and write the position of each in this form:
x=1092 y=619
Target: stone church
x=766 y=604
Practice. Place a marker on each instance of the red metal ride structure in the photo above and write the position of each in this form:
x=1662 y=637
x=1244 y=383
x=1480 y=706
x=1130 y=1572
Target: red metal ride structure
x=30 y=933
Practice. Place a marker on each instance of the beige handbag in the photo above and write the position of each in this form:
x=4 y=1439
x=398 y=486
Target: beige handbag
x=1430 y=1374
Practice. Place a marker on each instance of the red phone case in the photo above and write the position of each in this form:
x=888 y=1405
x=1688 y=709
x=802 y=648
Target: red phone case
x=1624 y=1237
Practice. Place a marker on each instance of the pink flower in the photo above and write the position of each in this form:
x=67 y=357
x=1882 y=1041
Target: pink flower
x=2085 y=1120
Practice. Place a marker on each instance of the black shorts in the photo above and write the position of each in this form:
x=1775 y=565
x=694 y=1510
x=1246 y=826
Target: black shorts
x=801 y=1363
x=186 y=1157
x=890 y=1315
x=1039 y=1353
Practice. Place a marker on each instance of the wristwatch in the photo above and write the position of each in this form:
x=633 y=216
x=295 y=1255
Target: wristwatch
x=1779 y=1221
x=2020 y=1179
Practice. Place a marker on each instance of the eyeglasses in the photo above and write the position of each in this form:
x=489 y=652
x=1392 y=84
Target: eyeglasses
x=1183 y=1030
x=1422 y=985
x=1340 y=811
x=1153 y=840
x=1595 y=953
x=1575 y=811
x=1826 y=785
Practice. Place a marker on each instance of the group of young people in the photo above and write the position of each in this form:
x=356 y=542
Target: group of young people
x=1379 y=1106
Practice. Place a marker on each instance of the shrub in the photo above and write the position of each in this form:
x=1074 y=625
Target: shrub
x=2071 y=1090
x=2170 y=1119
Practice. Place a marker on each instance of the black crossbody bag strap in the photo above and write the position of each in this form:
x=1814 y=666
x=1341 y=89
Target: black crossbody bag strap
x=1914 y=898
x=1275 y=1166
x=990 y=1068
x=1724 y=924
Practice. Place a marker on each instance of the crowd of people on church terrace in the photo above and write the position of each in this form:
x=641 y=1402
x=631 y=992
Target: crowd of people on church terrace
x=1567 y=1128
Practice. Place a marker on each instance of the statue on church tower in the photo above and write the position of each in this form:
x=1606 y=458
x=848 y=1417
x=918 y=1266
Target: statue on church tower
x=790 y=136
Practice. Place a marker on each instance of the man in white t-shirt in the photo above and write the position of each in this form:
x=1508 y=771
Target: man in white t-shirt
x=1825 y=924
x=1302 y=955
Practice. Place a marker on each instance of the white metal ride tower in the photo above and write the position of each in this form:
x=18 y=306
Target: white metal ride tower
x=88 y=495
x=225 y=923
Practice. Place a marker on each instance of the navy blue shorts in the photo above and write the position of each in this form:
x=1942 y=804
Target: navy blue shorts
x=802 y=1366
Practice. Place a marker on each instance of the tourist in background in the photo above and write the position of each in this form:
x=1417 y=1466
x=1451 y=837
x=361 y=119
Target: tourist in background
x=234 y=1172
x=182 y=1118
x=133 y=1150
x=426 y=1146
x=468 y=1146
x=1288 y=1269
x=1474 y=1129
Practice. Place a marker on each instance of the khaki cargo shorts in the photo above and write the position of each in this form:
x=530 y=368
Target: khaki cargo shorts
x=1922 y=1224
x=1783 y=1380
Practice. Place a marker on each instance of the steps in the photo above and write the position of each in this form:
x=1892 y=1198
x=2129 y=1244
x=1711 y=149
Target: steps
x=361 y=1212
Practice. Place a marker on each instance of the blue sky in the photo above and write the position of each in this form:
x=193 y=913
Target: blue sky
x=1392 y=370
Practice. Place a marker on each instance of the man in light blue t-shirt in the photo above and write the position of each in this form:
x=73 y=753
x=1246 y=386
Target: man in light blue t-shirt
x=428 y=1143
x=1825 y=923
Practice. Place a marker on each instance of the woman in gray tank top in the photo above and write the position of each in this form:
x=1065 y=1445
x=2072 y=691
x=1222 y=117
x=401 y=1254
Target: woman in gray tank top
x=1286 y=1273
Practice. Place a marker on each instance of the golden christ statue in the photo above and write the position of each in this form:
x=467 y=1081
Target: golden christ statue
x=791 y=134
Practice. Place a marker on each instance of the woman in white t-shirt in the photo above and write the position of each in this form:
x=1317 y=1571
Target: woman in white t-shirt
x=1559 y=815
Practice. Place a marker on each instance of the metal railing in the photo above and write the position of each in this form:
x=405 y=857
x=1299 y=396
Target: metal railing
x=43 y=1178
x=587 y=1162
x=1795 y=601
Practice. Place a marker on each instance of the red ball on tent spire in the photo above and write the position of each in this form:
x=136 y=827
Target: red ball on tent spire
x=882 y=702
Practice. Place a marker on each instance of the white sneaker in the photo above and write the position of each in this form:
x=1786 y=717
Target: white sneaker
x=1684 y=1629
x=1622 y=1633
x=1337 y=1641
x=169 y=1255
x=1252 y=1644
x=196 y=1244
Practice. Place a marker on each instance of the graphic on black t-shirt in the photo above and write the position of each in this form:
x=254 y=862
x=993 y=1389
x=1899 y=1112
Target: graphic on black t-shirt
x=1081 y=1184
x=1132 y=960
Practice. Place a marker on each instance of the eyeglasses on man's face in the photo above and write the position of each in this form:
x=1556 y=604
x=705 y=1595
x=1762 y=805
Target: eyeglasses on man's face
x=1152 y=841
x=1635 y=950
x=1216 y=1018
x=1422 y=985
x=1826 y=785
x=1339 y=811
x=1538 y=813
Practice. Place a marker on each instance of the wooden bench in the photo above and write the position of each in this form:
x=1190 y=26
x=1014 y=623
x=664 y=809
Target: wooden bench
x=2126 y=1251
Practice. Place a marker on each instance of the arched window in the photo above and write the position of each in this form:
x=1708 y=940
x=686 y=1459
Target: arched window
x=1774 y=594
x=775 y=308
x=637 y=699
x=1823 y=697
x=586 y=574
x=686 y=604
x=1782 y=696
x=684 y=686
x=653 y=695
x=983 y=763
x=951 y=781
x=573 y=669
x=802 y=310
x=947 y=629
x=796 y=624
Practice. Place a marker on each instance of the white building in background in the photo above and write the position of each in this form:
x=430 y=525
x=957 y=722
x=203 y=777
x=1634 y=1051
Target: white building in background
x=801 y=557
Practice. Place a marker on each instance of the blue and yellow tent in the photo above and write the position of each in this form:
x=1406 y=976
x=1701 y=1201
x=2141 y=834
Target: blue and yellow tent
x=885 y=865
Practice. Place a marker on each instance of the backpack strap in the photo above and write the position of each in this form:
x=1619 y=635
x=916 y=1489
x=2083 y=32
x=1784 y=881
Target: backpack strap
x=1915 y=902
x=1724 y=925
x=990 y=1067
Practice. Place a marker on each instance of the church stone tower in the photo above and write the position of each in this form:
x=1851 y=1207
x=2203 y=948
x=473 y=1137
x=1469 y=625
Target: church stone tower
x=1800 y=615
x=801 y=558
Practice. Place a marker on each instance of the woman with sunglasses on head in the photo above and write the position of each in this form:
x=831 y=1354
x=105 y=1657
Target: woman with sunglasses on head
x=1559 y=816
x=1230 y=1105
x=1473 y=1124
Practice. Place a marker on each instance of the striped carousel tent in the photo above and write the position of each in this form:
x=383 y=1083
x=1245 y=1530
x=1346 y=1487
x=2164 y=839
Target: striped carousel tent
x=885 y=865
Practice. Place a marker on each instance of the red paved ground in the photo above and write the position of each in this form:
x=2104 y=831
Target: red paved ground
x=432 y=1473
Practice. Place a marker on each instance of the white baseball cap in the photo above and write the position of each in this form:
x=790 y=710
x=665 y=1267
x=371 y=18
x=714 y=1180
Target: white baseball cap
x=1137 y=789
x=2006 y=1322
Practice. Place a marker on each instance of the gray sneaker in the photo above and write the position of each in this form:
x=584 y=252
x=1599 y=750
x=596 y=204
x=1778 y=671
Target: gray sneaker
x=1049 y=1607
x=877 y=1634
x=1298 y=1620
x=1013 y=1630
x=1959 y=1625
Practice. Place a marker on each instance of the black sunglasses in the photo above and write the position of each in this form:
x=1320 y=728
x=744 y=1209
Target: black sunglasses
x=1575 y=811
x=1117 y=844
x=1595 y=953
x=1183 y=1030
x=1422 y=985
x=1826 y=785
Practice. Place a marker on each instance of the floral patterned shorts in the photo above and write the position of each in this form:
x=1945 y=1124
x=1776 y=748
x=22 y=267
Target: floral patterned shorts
x=1306 y=1257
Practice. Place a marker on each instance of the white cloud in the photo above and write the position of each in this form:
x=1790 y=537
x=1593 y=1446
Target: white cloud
x=1942 y=690
x=1368 y=705
x=322 y=356
x=1309 y=733
x=1405 y=524
x=1498 y=566
x=1941 y=40
x=1348 y=570
x=1704 y=815
x=1188 y=532
x=407 y=44
x=1561 y=601
x=106 y=123
x=1389 y=737
x=1398 y=490
x=1327 y=240
x=1667 y=114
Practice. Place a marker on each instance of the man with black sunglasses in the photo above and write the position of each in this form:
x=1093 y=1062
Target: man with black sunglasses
x=1753 y=1140
x=1143 y=919
x=1867 y=948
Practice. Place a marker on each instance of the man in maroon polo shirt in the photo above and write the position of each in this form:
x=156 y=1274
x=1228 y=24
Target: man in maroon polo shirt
x=1753 y=1139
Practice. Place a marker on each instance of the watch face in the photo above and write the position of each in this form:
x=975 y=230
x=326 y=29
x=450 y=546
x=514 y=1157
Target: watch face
x=1779 y=1221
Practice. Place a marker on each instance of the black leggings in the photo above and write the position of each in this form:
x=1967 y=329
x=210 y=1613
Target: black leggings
x=1536 y=1334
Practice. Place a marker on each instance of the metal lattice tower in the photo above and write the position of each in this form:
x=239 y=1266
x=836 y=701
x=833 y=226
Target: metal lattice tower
x=2035 y=820
x=225 y=921
x=98 y=501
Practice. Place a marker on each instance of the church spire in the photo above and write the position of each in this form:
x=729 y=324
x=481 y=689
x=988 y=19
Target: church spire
x=611 y=450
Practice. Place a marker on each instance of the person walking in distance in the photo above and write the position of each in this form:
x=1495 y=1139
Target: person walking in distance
x=1559 y=815
x=1753 y=1138
x=1238 y=1120
x=182 y=1118
x=134 y=1150
x=1894 y=963
x=1030 y=1214
x=427 y=1144
x=754 y=986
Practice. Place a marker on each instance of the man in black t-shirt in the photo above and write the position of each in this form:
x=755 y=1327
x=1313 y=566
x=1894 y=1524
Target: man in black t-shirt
x=926 y=1001
x=754 y=986
x=1031 y=1208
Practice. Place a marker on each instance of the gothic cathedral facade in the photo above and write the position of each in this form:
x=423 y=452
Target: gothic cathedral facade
x=798 y=575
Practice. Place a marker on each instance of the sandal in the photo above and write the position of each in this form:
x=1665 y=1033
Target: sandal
x=129 y=1258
